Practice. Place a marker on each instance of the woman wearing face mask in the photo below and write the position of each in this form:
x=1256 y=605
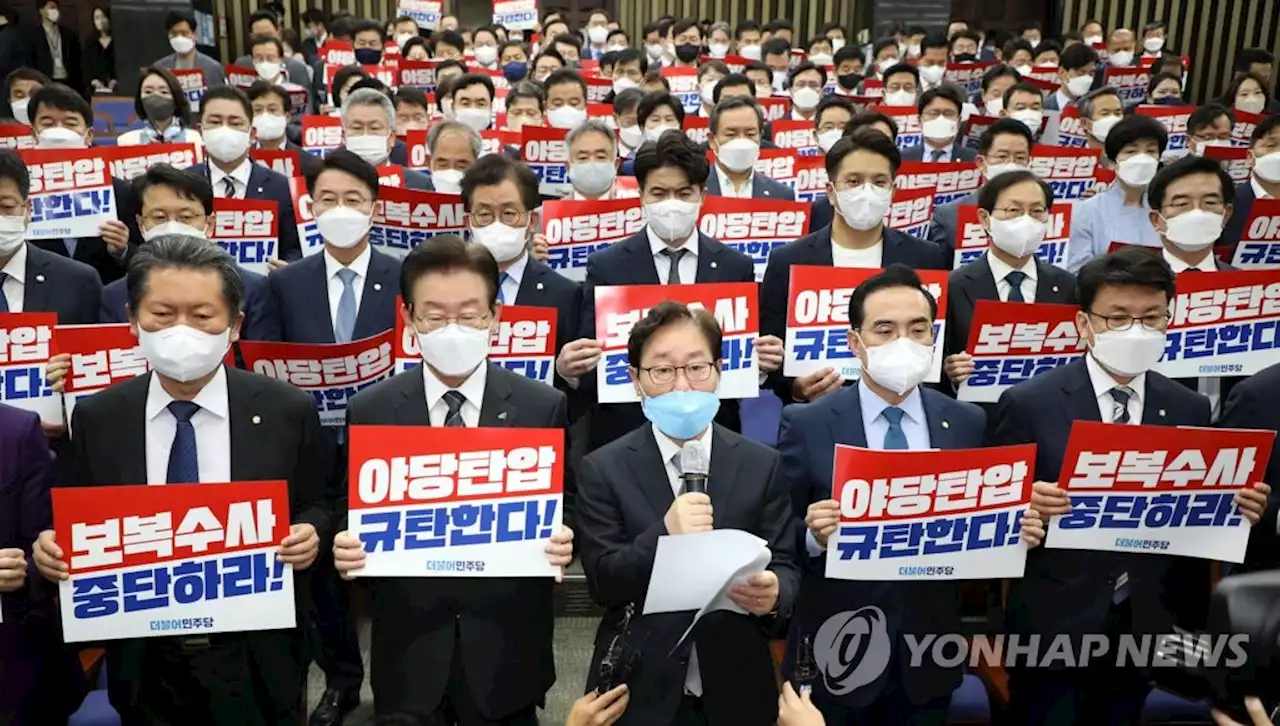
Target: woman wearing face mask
x=161 y=101
x=1246 y=93
x=100 y=53
x=1164 y=89
x=659 y=113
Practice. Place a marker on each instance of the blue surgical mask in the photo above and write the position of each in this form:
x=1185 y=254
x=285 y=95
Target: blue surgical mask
x=515 y=71
x=681 y=414
x=368 y=56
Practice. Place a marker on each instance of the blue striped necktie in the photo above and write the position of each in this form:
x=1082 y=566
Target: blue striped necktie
x=184 y=467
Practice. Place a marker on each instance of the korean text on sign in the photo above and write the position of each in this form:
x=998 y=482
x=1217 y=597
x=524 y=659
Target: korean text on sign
x=972 y=240
x=1014 y=342
x=523 y=342
x=321 y=134
x=332 y=373
x=284 y=162
x=426 y=13
x=910 y=133
x=405 y=218
x=545 y=151
x=684 y=86
x=1235 y=159
x=911 y=212
x=308 y=233
x=455 y=502
x=17 y=136
x=930 y=515
x=950 y=180
x=516 y=14
x=24 y=352
x=1259 y=246
x=1130 y=83
x=796 y=134
x=576 y=228
x=71 y=193
x=1068 y=171
x=1158 y=489
x=811 y=178
x=1174 y=120
x=1071 y=133
x=130 y=162
x=1224 y=324
x=160 y=561
x=818 y=319
x=754 y=227
x=734 y=304
x=249 y=230
x=100 y=356
x=968 y=76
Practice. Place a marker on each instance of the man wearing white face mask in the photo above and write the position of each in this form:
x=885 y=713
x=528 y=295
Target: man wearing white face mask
x=196 y=421
x=444 y=646
x=593 y=160
x=1121 y=213
x=1100 y=111
x=860 y=169
x=228 y=133
x=891 y=318
x=1002 y=148
x=597 y=33
x=805 y=84
x=940 y=110
x=1264 y=183
x=736 y=126
x=1013 y=209
x=566 y=99
x=181 y=26
x=272 y=108
x=901 y=85
x=1124 y=301
x=472 y=96
x=1076 y=69
x=709 y=75
x=369 y=126
x=20 y=85
x=453 y=147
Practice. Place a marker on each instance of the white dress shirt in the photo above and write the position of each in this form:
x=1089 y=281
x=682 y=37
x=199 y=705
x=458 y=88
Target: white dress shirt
x=670 y=452
x=212 y=424
x=1204 y=265
x=239 y=177
x=1063 y=101
x=1000 y=270
x=727 y=189
x=1258 y=191
x=331 y=267
x=688 y=263
x=15 y=278
x=872 y=256
x=1102 y=385
x=1209 y=386
x=511 y=283
x=929 y=151
x=472 y=389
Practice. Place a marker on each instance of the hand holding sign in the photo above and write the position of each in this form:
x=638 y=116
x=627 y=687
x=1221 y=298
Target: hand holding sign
x=55 y=371
x=818 y=383
x=958 y=367
x=769 y=353
x=579 y=358
x=1048 y=499
x=1032 y=527
x=1253 y=501
x=13 y=569
x=559 y=550
x=300 y=547
x=114 y=234
x=348 y=554
x=821 y=519
x=48 y=556
x=541 y=248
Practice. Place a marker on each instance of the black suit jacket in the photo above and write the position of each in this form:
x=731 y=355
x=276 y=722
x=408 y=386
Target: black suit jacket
x=541 y=286
x=109 y=448
x=505 y=625
x=815 y=249
x=310 y=163
x=959 y=152
x=806 y=440
x=630 y=262
x=1069 y=591
x=1254 y=403
x=261 y=316
x=93 y=251
x=71 y=52
x=1240 y=211
x=266 y=184
x=973 y=282
x=762 y=187
x=55 y=284
x=300 y=291
x=625 y=493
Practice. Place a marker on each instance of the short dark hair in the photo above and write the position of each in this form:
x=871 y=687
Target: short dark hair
x=62 y=98
x=990 y=192
x=12 y=167
x=528 y=89
x=863 y=140
x=448 y=253
x=258 y=40
x=897 y=68
x=806 y=67
x=366 y=25
x=848 y=52
x=226 y=93
x=895 y=275
x=412 y=43
x=1186 y=166
x=833 y=101
x=450 y=38
x=718 y=66
x=775 y=46
x=1206 y=115
x=1264 y=127
x=652 y=100
x=261 y=88
x=24 y=74
x=1047 y=45
x=183 y=252
x=178 y=17
x=264 y=15
x=947 y=92
x=1013 y=46
x=996 y=72
x=340 y=78
x=1076 y=57
x=315 y=16
x=1246 y=58
x=668 y=313
x=1135 y=128
x=684 y=24
x=1021 y=87
x=467 y=80
x=966 y=35
x=631 y=55
x=1129 y=265
x=745 y=26
x=733 y=80
x=493 y=169
x=186 y=184
x=567 y=39
x=181 y=106
x=627 y=100
x=673 y=149
x=880 y=45
x=413 y=97
x=564 y=77
x=1161 y=77
x=345 y=161
x=868 y=118
x=935 y=40
x=731 y=103
x=1001 y=127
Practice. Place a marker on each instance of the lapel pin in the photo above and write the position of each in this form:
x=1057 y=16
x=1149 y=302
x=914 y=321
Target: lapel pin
x=39 y=278
x=502 y=416
x=377 y=286
x=946 y=424
x=256 y=420
x=1055 y=288
x=539 y=285
x=713 y=265
x=1162 y=413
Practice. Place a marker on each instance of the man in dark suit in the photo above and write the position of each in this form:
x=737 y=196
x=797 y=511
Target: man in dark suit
x=194 y=420
x=43 y=682
x=735 y=128
x=887 y=409
x=369 y=127
x=61 y=118
x=452 y=147
x=465 y=651
x=1264 y=182
x=266 y=24
x=631 y=495
x=272 y=109
x=1071 y=593
x=1252 y=404
x=226 y=124
x=860 y=169
x=940 y=110
x=56 y=49
x=669 y=250
x=1014 y=210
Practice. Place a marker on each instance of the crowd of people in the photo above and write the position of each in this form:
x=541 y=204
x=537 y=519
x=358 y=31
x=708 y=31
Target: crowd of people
x=474 y=651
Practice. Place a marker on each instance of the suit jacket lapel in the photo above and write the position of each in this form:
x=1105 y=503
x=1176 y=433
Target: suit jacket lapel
x=249 y=444
x=317 y=294
x=531 y=290
x=982 y=285
x=36 y=289
x=650 y=470
x=845 y=422
x=1080 y=404
x=940 y=433
x=256 y=188
x=820 y=247
x=725 y=463
x=708 y=259
x=1153 y=411
x=891 y=245
x=412 y=409
x=133 y=434
x=1046 y=289
x=496 y=409
x=713 y=183
x=379 y=288
x=644 y=272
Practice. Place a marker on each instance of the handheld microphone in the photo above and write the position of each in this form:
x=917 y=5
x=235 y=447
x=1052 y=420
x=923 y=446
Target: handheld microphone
x=694 y=467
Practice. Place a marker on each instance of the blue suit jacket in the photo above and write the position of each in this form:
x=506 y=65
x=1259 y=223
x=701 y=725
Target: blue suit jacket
x=1234 y=229
x=762 y=187
x=1068 y=591
x=92 y=251
x=942 y=230
x=300 y=292
x=815 y=249
x=55 y=284
x=807 y=439
x=1255 y=404
x=958 y=153
x=418 y=181
x=269 y=185
x=261 y=317
x=542 y=286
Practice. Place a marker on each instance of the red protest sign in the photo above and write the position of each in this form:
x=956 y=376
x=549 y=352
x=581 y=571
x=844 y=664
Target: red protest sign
x=1259 y=245
x=284 y=162
x=1014 y=342
x=332 y=373
x=754 y=227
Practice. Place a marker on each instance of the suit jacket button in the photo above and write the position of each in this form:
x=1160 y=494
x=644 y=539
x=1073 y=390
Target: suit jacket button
x=684 y=661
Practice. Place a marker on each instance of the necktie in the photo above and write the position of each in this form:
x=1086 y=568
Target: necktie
x=502 y=280
x=183 y=463
x=71 y=244
x=1015 y=280
x=228 y=187
x=454 y=400
x=344 y=324
x=938 y=154
x=1120 y=396
x=895 y=439
x=674 y=256
x=4 y=302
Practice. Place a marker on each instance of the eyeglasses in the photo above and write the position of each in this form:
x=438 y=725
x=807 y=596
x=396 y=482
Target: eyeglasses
x=434 y=322
x=1040 y=213
x=1217 y=206
x=695 y=372
x=1154 y=321
x=485 y=217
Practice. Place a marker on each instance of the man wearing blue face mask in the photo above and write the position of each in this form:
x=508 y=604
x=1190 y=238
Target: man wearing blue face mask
x=631 y=494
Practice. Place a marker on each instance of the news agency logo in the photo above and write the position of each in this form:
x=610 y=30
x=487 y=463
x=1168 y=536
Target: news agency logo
x=852 y=649
x=1167 y=650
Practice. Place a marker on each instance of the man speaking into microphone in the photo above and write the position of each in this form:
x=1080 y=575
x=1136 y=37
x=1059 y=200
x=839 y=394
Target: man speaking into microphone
x=681 y=474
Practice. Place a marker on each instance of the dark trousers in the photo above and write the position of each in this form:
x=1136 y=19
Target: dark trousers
x=892 y=707
x=690 y=713
x=338 y=652
x=458 y=708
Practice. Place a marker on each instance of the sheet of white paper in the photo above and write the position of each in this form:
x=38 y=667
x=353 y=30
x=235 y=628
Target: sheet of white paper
x=691 y=570
x=721 y=600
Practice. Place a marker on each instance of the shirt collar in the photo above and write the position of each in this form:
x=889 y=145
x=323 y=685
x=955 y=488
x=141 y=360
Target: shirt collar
x=360 y=264
x=873 y=405
x=517 y=269
x=472 y=388
x=1258 y=191
x=1001 y=269
x=211 y=398
x=240 y=173
x=1103 y=382
x=1204 y=265
x=16 y=267
x=669 y=449
x=656 y=244
x=726 y=184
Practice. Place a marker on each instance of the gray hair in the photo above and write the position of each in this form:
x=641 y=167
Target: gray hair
x=184 y=252
x=592 y=125
x=433 y=136
x=1085 y=103
x=721 y=25
x=370 y=97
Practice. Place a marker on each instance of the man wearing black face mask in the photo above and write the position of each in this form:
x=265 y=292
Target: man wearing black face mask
x=686 y=36
x=849 y=66
x=367 y=39
x=965 y=46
